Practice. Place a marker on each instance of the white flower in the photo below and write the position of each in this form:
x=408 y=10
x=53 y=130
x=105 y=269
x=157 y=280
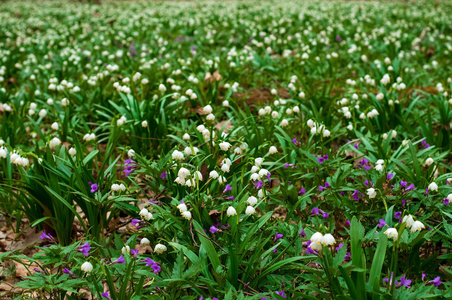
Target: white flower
x=449 y=197
x=183 y=172
x=409 y=220
x=429 y=161
x=417 y=225
x=405 y=143
x=125 y=249
x=213 y=174
x=258 y=161
x=272 y=150
x=87 y=267
x=250 y=211
x=72 y=151
x=254 y=176
x=201 y=128
x=284 y=123
x=225 y=146
x=263 y=172
x=180 y=180
x=311 y=123
x=3 y=152
x=380 y=162
x=392 y=233
x=313 y=130
x=159 y=248
x=316 y=241
x=252 y=200
x=182 y=207
x=326 y=133
x=328 y=240
x=260 y=194
x=145 y=241
x=433 y=187
x=254 y=169
x=221 y=179
x=207 y=109
x=131 y=153
x=210 y=117
x=225 y=168
x=43 y=113
x=177 y=155
x=296 y=109
x=54 y=126
x=144 y=212
x=372 y=193
x=162 y=88
x=350 y=127
x=54 y=142
x=186 y=215
x=231 y=211
x=144 y=123
x=379 y=168
x=274 y=114
x=393 y=133
x=186 y=137
x=198 y=175
x=226 y=103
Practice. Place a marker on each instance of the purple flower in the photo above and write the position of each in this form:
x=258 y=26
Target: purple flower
x=348 y=223
x=302 y=233
x=230 y=198
x=436 y=281
x=390 y=176
x=320 y=160
x=411 y=187
x=423 y=276
x=278 y=236
x=275 y=251
x=227 y=189
x=94 y=187
x=67 y=271
x=364 y=161
x=213 y=229
x=348 y=256
x=381 y=223
x=258 y=185
x=446 y=201
x=315 y=211
x=85 y=248
x=105 y=295
x=302 y=191
x=120 y=260
x=339 y=247
x=327 y=185
x=403 y=184
x=163 y=175
x=403 y=281
x=44 y=235
x=321 y=188
x=281 y=294
x=134 y=252
x=294 y=141
x=148 y=261
x=135 y=222
x=338 y=38
x=268 y=176
x=397 y=214
x=324 y=214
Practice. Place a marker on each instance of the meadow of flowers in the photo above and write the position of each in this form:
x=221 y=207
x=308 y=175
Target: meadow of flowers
x=225 y=150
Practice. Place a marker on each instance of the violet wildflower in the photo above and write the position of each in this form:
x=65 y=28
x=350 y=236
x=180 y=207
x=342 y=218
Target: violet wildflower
x=134 y=252
x=281 y=294
x=423 y=276
x=94 y=187
x=120 y=260
x=404 y=282
x=411 y=187
x=321 y=188
x=436 y=281
x=339 y=247
x=106 y=295
x=278 y=236
x=302 y=191
x=135 y=222
x=85 y=248
x=213 y=229
x=302 y=233
x=227 y=188
x=325 y=214
x=163 y=175
x=348 y=256
x=44 y=235
x=315 y=211
x=403 y=184
x=446 y=201
x=381 y=223
x=397 y=214
x=258 y=185
x=390 y=176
